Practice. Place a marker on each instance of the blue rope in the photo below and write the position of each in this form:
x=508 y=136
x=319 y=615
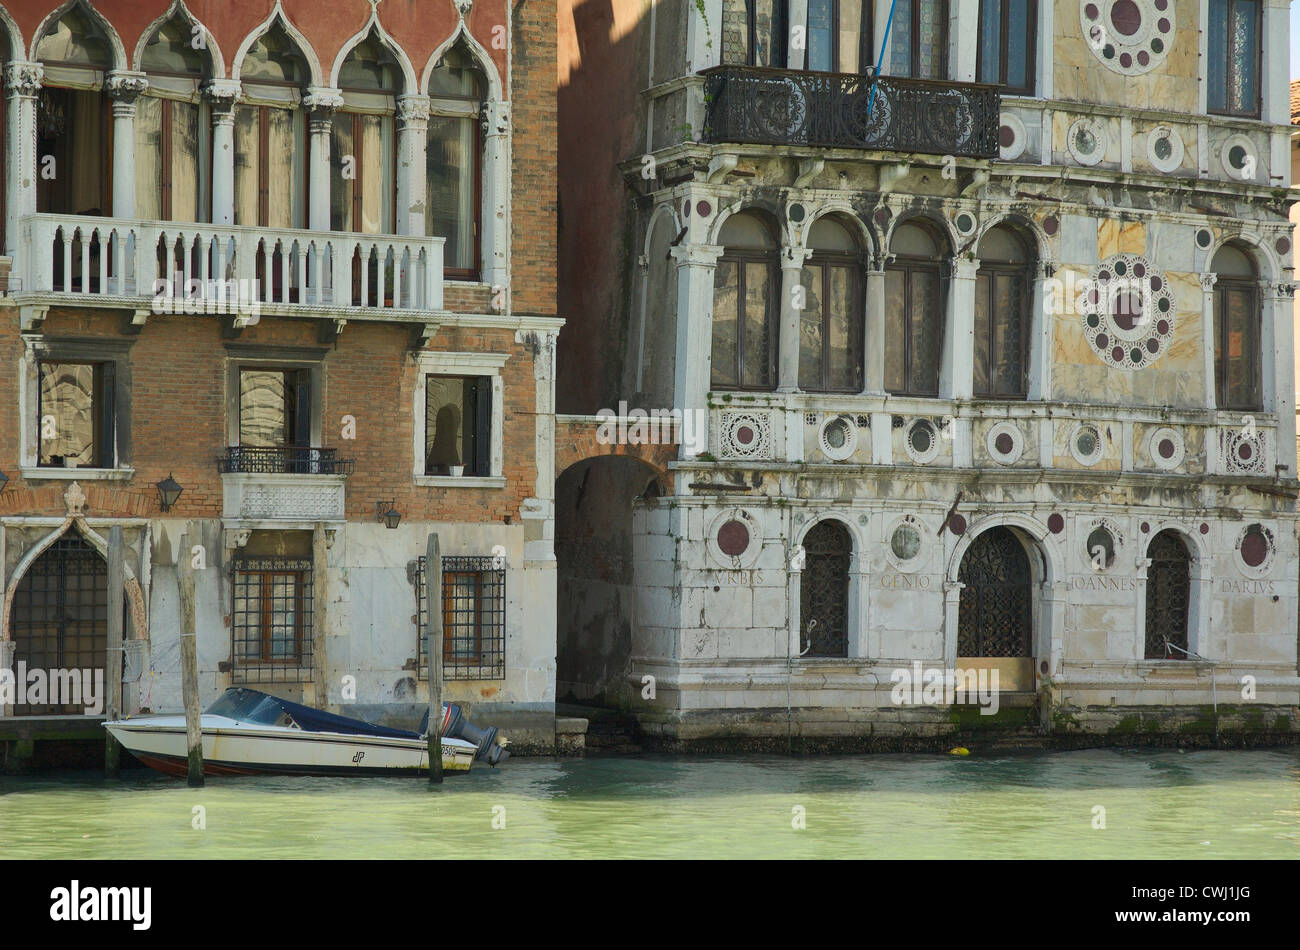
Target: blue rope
x=880 y=62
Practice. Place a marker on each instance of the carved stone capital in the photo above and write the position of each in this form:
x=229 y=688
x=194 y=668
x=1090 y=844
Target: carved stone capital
x=496 y=117
x=24 y=79
x=125 y=87
x=697 y=255
x=463 y=7
x=322 y=101
x=1208 y=281
x=222 y=94
x=412 y=111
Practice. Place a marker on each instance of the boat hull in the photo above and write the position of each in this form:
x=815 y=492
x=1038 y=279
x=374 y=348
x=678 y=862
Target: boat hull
x=231 y=748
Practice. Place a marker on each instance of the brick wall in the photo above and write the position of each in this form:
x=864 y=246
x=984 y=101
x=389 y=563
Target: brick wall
x=178 y=415
x=533 y=217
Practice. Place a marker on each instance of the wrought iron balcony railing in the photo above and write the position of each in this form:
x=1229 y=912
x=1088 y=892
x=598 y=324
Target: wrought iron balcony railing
x=283 y=460
x=753 y=105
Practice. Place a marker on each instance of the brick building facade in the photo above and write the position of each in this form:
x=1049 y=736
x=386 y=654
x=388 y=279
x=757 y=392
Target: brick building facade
x=346 y=175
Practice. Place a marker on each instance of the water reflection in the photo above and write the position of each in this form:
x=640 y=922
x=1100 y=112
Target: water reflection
x=1157 y=804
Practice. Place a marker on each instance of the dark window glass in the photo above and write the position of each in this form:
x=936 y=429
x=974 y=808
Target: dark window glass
x=1002 y=318
x=74 y=141
x=919 y=39
x=768 y=22
x=913 y=327
x=1168 y=597
x=745 y=297
x=1008 y=30
x=1237 y=345
x=458 y=425
x=830 y=325
x=1233 y=54
x=75 y=414
x=839 y=35
x=274 y=408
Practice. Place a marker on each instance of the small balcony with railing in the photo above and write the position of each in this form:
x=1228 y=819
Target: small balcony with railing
x=283 y=483
x=760 y=106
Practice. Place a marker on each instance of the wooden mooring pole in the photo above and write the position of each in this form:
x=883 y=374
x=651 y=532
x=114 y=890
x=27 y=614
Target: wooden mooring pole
x=189 y=663
x=433 y=641
x=113 y=664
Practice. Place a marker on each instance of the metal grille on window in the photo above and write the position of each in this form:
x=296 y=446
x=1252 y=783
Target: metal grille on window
x=824 y=590
x=1168 y=594
x=60 y=616
x=473 y=619
x=271 y=620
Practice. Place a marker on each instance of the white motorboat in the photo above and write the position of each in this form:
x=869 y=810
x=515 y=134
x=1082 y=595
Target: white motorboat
x=246 y=732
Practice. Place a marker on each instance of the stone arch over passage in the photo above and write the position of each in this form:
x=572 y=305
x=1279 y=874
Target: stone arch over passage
x=824 y=614
x=599 y=549
x=995 y=617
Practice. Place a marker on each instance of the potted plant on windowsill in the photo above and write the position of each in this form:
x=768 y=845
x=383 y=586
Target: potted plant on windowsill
x=456 y=470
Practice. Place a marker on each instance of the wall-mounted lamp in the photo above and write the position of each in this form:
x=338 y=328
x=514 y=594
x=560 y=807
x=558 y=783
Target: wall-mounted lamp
x=169 y=491
x=385 y=512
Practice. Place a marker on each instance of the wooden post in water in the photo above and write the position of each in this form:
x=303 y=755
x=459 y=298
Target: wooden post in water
x=433 y=641
x=189 y=663
x=113 y=664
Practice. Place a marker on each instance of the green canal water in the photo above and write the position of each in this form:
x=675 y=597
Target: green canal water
x=1158 y=804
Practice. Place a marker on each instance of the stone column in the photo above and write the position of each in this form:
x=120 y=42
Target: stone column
x=321 y=103
x=957 y=367
x=222 y=94
x=951 y=613
x=124 y=88
x=495 y=224
x=873 y=342
x=1207 y=336
x=1279 y=344
x=22 y=86
x=794 y=298
x=695 y=267
x=1042 y=325
x=412 y=136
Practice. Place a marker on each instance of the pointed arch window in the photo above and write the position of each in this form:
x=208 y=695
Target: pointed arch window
x=363 y=153
x=1237 y=346
x=173 y=129
x=1002 y=319
x=914 y=308
x=271 y=182
x=74 y=129
x=746 y=303
x=454 y=160
x=831 y=322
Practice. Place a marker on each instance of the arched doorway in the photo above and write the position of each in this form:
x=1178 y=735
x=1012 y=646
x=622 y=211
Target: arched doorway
x=824 y=590
x=1168 y=597
x=995 y=627
x=60 y=615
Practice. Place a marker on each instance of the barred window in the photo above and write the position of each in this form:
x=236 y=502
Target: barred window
x=473 y=619
x=271 y=620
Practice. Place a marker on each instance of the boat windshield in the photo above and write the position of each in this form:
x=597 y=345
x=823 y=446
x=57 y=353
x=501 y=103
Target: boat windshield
x=246 y=705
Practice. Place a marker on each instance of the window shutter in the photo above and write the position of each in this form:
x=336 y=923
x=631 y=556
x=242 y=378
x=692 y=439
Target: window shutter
x=107 y=373
x=302 y=407
x=483 y=426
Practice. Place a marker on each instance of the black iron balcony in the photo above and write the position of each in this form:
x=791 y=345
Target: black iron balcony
x=753 y=105
x=283 y=460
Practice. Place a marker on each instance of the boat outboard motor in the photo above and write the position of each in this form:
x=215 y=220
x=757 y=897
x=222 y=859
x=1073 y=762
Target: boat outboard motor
x=458 y=727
